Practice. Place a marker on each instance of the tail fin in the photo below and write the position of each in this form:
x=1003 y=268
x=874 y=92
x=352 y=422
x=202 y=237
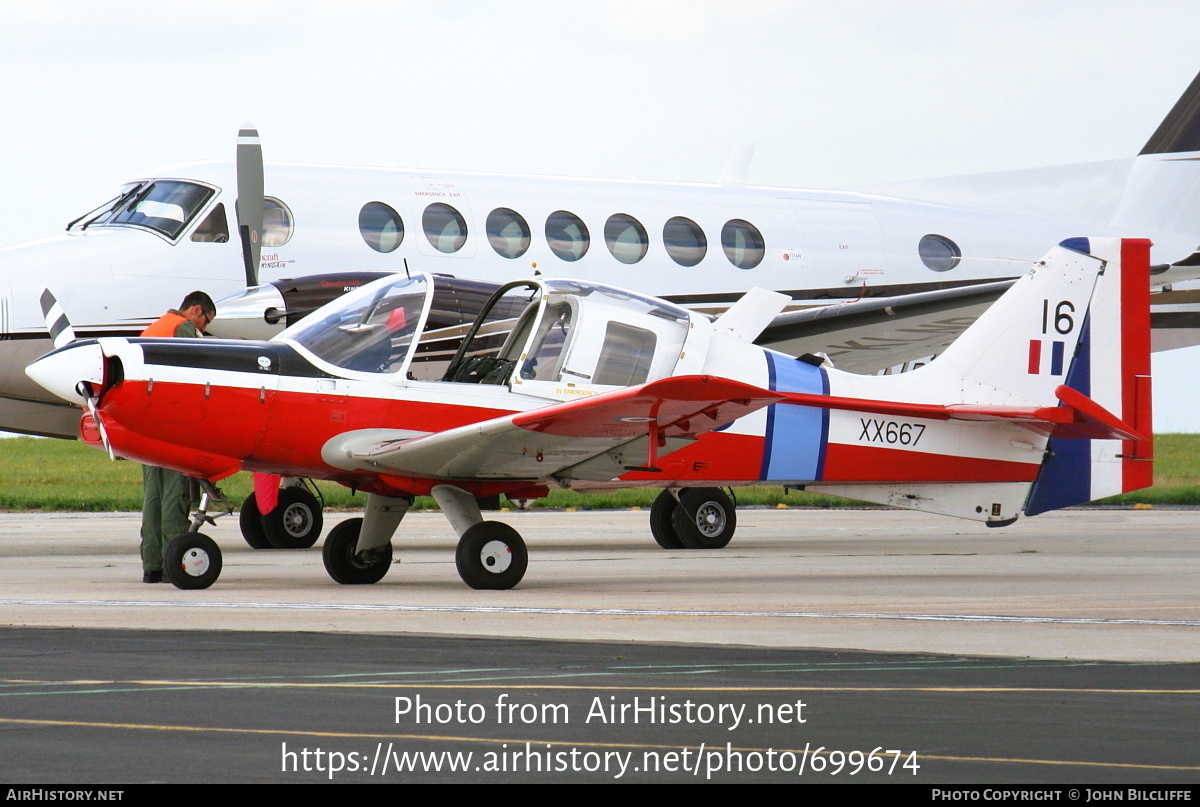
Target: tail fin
x=1112 y=368
x=1065 y=354
x=1162 y=193
x=1085 y=326
x=1022 y=348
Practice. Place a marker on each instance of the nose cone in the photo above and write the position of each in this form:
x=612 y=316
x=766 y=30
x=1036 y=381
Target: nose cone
x=60 y=371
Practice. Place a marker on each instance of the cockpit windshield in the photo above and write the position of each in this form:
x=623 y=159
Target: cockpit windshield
x=166 y=206
x=368 y=330
x=410 y=325
x=105 y=211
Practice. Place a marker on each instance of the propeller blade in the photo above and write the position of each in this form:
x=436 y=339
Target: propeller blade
x=61 y=332
x=91 y=405
x=250 y=199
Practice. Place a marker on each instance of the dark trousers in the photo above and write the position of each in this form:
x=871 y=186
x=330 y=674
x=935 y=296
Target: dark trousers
x=165 y=506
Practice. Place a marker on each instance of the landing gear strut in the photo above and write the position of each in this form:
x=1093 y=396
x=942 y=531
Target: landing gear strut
x=490 y=554
x=348 y=566
x=359 y=551
x=192 y=560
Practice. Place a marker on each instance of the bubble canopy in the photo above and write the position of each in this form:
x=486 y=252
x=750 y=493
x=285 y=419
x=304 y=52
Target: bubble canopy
x=371 y=329
x=536 y=333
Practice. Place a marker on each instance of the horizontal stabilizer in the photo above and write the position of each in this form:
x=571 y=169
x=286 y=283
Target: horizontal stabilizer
x=1080 y=417
x=750 y=315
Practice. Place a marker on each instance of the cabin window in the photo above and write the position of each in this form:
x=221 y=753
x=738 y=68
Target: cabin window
x=165 y=206
x=215 y=227
x=625 y=237
x=939 y=253
x=277 y=223
x=380 y=226
x=567 y=235
x=445 y=227
x=685 y=241
x=626 y=356
x=743 y=244
x=507 y=232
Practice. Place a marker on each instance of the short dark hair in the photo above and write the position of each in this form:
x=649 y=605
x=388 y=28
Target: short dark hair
x=201 y=299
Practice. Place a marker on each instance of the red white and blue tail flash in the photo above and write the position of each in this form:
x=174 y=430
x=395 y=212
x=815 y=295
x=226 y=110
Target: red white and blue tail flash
x=1112 y=368
x=1043 y=403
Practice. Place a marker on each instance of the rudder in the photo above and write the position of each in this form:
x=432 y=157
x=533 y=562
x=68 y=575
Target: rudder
x=1112 y=367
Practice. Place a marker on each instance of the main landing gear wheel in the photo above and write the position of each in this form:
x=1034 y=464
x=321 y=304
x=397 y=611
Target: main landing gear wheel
x=662 y=527
x=491 y=555
x=296 y=521
x=705 y=518
x=348 y=568
x=250 y=520
x=192 y=561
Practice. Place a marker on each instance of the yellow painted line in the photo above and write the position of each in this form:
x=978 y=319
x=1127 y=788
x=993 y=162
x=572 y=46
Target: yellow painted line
x=345 y=735
x=609 y=688
x=252 y=684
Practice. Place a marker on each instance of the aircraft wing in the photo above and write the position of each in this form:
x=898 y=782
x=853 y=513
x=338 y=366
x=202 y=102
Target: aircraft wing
x=865 y=336
x=601 y=437
x=596 y=438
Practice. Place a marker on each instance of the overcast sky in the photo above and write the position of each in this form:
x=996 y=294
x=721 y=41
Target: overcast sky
x=835 y=94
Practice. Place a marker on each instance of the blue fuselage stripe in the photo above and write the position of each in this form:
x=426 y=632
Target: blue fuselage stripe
x=794 y=449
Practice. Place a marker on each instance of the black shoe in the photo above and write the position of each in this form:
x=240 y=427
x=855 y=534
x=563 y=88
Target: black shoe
x=151 y=577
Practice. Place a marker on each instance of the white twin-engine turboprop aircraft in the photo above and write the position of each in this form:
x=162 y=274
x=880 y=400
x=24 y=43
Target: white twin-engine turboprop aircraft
x=875 y=279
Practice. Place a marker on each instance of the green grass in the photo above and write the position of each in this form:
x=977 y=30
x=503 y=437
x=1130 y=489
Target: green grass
x=68 y=475
x=1176 y=473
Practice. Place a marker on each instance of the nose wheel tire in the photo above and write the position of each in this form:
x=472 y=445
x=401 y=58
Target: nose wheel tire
x=705 y=518
x=296 y=521
x=347 y=567
x=250 y=521
x=662 y=526
x=491 y=555
x=192 y=561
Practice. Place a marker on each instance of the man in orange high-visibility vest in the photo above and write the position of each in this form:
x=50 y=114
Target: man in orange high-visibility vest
x=165 y=497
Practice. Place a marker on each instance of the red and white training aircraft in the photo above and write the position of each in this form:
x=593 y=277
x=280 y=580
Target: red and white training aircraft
x=1042 y=403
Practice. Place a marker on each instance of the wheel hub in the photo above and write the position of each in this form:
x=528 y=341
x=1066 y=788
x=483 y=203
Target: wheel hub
x=710 y=519
x=297 y=520
x=496 y=556
x=195 y=562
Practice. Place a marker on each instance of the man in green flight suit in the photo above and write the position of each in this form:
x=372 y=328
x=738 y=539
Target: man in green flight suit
x=165 y=497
